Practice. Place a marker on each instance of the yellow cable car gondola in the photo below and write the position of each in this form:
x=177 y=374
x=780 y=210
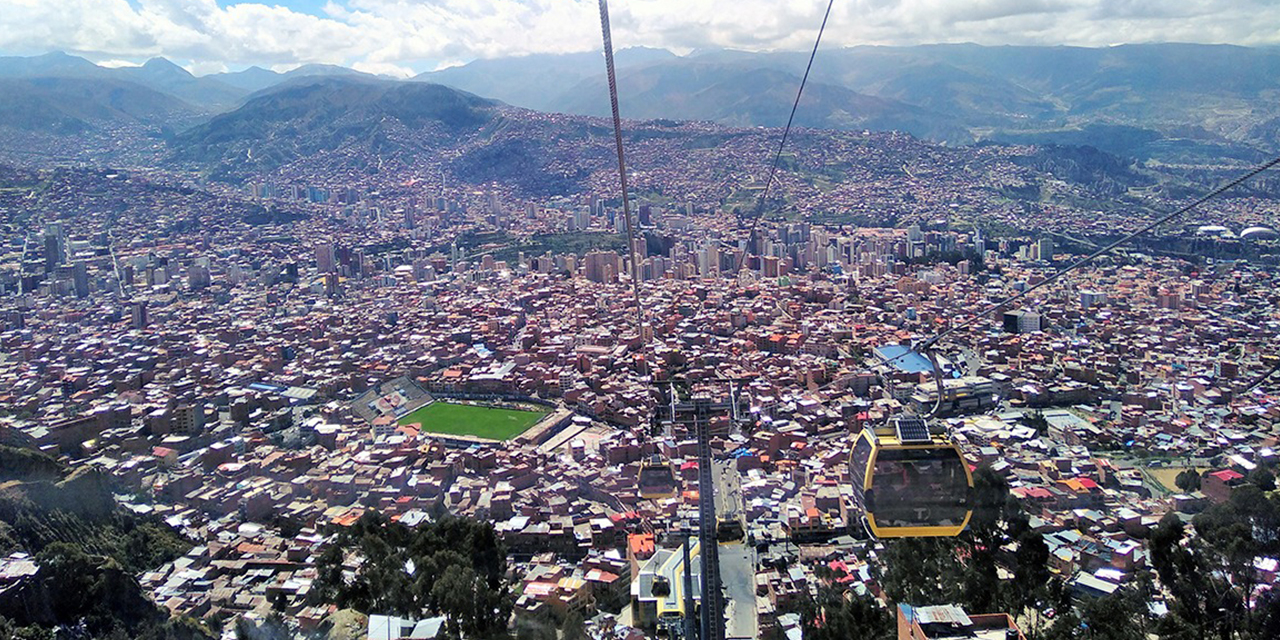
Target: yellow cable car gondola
x=910 y=482
x=656 y=479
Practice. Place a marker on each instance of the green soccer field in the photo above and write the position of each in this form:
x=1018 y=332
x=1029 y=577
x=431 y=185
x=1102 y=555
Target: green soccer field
x=470 y=420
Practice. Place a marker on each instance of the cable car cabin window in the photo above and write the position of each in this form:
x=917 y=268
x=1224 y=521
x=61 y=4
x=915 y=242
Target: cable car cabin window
x=919 y=488
x=858 y=466
x=658 y=477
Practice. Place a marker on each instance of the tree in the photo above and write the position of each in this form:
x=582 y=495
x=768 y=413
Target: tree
x=1188 y=480
x=574 y=627
x=1036 y=420
x=273 y=627
x=1031 y=572
x=1267 y=615
x=534 y=629
x=455 y=567
x=837 y=614
x=179 y=628
x=1263 y=479
x=1201 y=597
x=921 y=570
x=455 y=596
x=1120 y=616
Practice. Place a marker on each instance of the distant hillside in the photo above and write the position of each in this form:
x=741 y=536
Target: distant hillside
x=339 y=125
x=538 y=81
x=743 y=96
x=1199 y=101
x=54 y=64
x=74 y=105
x=313 y=115
x=251 y=79
x=1173 y=102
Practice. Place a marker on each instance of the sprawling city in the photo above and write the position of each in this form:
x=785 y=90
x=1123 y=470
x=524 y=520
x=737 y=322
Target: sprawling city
x=354 y=357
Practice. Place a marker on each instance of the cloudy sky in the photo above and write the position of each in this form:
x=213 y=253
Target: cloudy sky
x=403 y=36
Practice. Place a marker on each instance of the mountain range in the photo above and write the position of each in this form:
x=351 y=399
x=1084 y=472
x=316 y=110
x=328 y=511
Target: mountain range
x=1172 y=102
x=1203 y=98
x=196 y=95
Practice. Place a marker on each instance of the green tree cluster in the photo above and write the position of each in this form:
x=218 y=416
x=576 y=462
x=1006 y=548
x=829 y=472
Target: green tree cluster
x=88 y=550
x=1123 y=615
x=80 y=510
x=90 y=596
x=1211 y=574
x=837 y=614
x=1207 y=577
x=455 y=567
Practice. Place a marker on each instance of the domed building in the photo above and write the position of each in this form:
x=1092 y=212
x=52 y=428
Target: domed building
x=1215 y=230
x=1259 y=233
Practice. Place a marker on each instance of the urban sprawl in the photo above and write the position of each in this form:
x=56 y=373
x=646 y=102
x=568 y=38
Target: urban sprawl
x=249 y=364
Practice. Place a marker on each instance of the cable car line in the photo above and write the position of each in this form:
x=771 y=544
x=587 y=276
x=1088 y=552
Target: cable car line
x=928 y=344
x=909 y=480
x=777 y=157
x=622 y=169
x=1263 y=378
x=932 y=342
x=938 y=517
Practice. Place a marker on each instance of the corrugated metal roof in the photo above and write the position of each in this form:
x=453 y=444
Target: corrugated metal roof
x=943 y=614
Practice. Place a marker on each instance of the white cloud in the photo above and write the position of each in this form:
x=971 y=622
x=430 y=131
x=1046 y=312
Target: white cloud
x=205 y=68
x=117 y=64
x=399 y=35
x=384 y=69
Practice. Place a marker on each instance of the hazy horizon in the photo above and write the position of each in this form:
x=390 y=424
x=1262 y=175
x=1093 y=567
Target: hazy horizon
x=406 y=38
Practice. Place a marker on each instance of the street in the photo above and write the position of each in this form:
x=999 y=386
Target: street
x=737 y=576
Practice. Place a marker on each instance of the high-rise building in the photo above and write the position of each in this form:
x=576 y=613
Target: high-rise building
x=1045 y=247
x=198 y=277
x=601 y=266
x=1021 y=321
x=325 y=258
x=1090 y=298
x=80 y=275
x=709 y=260
x=187 y=418
x=139 y=317
x=55 y=247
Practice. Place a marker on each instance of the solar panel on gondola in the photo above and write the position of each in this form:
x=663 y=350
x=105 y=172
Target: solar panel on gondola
x=911 y=429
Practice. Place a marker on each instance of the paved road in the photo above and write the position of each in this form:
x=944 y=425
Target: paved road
x=971 y=361
x=737 y=576
x=728 y=489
